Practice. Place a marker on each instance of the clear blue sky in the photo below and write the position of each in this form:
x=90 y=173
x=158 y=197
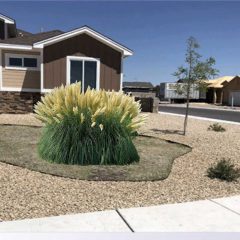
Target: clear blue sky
x=156 y=31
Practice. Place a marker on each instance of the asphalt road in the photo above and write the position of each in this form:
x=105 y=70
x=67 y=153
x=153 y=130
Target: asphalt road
x=226 y=115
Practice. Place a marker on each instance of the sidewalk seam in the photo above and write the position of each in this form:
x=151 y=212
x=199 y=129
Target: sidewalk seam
x=219 y=204
x=125 y=221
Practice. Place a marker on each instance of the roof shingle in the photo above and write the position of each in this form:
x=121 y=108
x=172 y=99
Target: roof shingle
x=29 y=39
x=137 y=85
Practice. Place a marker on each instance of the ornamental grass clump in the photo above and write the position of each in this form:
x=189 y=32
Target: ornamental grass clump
x=95 y=127
x=224 y=170
x=216 y=127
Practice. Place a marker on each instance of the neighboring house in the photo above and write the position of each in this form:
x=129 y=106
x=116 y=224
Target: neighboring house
x=224 y=90
x=33 y=64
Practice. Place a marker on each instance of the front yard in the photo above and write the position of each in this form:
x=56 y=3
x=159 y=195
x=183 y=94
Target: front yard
x=29 y=194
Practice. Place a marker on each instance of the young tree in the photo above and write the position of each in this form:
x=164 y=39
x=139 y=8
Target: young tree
x=193 y=74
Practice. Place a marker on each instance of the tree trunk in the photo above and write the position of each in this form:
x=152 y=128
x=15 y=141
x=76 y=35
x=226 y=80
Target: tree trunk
x=186 y=117
x=187 y=109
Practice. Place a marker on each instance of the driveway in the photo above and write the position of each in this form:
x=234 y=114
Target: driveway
x=226 y=115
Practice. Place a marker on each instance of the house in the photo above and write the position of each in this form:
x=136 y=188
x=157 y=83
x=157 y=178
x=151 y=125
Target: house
x=224 y=90
x=231 y=92
x=215 y=89
x=33 y=64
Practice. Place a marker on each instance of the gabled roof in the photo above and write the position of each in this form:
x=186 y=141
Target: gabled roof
x=225 y=83
x=25 y=40
x=217 y=82
x=30 y=39
x=137 y=85
x=7 y=19
x=22 y=33
x=85 y=30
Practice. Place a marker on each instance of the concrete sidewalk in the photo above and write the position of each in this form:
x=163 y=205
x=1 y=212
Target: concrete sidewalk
x=215 y=215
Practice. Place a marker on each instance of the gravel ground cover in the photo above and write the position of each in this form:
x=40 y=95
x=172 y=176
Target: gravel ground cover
x=28 y=194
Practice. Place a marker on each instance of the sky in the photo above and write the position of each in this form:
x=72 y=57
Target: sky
x=155 y=31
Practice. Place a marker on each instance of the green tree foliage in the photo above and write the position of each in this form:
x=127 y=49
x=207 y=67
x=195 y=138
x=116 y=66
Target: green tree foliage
x=193 y=74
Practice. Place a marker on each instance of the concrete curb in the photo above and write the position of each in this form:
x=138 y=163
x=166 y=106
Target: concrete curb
x=200 y=118
x=207 y=108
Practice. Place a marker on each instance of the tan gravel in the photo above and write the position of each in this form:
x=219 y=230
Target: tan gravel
x=26 y=194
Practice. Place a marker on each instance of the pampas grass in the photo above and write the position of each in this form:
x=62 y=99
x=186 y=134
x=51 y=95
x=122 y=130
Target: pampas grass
x=95 y=127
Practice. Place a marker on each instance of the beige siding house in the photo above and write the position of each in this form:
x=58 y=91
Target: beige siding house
x=33 y=64
x=224 y=90
x=18 y=77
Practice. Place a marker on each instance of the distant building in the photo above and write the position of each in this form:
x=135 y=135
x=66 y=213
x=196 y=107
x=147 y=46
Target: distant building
x=168 y=92
x=224 y=90
x=143 y=91
x=143 y=87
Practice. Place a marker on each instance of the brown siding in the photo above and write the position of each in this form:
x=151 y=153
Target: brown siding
x=234 y=85
x=82 y=45
x=2 y=31
x=20 y=78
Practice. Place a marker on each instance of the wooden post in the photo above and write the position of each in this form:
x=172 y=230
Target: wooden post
x=221 y=97
x=214 y=96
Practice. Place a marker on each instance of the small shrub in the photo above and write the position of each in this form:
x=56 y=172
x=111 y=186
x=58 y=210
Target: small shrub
x=216 y=127
x=95 y=127
x=224 y=170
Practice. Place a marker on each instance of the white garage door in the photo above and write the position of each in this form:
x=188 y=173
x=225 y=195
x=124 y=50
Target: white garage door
x=234 y=98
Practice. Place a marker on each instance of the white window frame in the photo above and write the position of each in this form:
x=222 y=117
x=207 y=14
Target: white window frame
x=83 y=59
x=22 y=56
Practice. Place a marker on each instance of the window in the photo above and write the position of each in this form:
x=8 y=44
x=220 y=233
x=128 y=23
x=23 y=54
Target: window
x=30 y=62
x=90 y=74
x=85 y=70
x=15 y=62
x=22 y=62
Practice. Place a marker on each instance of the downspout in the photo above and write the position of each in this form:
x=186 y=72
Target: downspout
x=41 y=71
x=1 y=69
x=5 y=31
x=121 y=73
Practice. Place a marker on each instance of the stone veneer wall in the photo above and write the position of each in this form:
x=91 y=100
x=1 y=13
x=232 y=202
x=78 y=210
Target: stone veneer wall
x=18 y=102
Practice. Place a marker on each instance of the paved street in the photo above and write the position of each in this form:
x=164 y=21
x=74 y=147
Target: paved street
x=213 y=215
x=226 y=115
